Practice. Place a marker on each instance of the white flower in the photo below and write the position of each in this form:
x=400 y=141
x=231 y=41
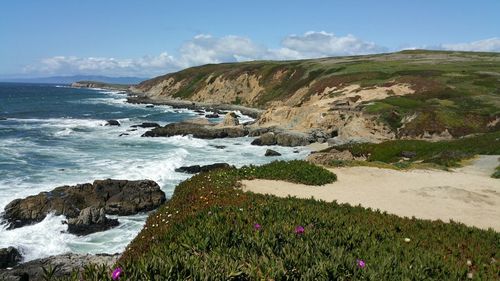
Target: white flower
x=407 y=239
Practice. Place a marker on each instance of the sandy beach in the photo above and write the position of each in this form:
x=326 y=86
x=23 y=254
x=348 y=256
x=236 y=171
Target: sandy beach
x=467 y=195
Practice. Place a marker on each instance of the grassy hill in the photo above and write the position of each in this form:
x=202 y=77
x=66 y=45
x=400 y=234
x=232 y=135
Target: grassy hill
x=457 y=92
x=211 y=230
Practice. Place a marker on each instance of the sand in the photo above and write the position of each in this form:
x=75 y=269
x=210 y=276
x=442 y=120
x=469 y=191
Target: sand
x=467 y=195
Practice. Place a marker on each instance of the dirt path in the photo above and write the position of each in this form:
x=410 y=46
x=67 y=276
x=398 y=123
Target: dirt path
x=467 y=195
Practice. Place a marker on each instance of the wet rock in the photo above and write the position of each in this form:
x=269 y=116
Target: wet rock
x=9 y=257
x=146 y=125
x=90 y=220
x=117 y=197
x=201 y=131
x=123 y=134
x=150 y=106
x=210 y=116
x=65 y=264
x=3 y=119
x=199 y=169
x=271 y=152
x=112 y=123
x=218 y=146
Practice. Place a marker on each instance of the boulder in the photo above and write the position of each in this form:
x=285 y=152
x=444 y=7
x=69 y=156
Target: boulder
x=150 y=106
x=90 y=220
x=146 y=125
x=65 y=264
x=199 y=169
x=265 y=139
x=292 y=139
x=112 y=123
x=271 y=152
x=197 y=130
x=9 y=257
x=230 y=119
x=326 y=158
x=211 y=116
x=117 y=197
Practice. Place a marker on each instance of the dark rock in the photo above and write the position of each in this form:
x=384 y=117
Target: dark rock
x=214 y=115
x=91 y=220
x=295 y=151
x=9 y=257
x=199 y=111
x=201 y=131
x=271 y=152
x=3 y=118
x=117 y=197
x=112 y=123
x=123 y=134
x=219 y=146
x=150 y=106
x=408 y=154
x=189 y=169
x=64 y=264
x=197 y=168
x=146 y=125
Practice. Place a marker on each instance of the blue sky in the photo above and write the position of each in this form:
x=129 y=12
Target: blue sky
x=148 y=38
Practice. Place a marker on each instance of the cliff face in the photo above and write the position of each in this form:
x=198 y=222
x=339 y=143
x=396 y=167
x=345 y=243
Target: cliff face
x=406 y=94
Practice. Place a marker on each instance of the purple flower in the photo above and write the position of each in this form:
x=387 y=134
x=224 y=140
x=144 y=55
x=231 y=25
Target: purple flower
x=299 y=230
x=116 y=273
x=361 y=263
x=256 y=227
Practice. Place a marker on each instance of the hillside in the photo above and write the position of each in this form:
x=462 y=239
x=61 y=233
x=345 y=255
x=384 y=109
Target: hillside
x=409 y=94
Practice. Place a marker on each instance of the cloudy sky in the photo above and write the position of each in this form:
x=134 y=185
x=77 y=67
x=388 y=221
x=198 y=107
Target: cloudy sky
x=149 y=38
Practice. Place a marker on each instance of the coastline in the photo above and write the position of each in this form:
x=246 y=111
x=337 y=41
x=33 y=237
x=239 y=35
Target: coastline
x=135 y=98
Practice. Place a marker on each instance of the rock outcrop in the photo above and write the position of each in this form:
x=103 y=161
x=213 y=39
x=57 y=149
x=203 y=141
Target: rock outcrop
x=90 y=220
x=199 y=169
x=9 y=257
x=117 y=197
x=271 y=152
x=202 y=131
x=146 y=125
x=230 y=120
x=65 y=264
x=112 y=123
x=283 y=139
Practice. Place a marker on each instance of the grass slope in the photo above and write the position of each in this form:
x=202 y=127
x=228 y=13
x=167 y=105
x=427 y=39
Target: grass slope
x=442 y=153
x=454 y=91
x=207 y=231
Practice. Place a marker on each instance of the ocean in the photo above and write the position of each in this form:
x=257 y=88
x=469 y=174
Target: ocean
x=56 y=135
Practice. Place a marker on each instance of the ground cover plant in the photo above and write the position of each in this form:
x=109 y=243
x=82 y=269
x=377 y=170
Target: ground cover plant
x=211 y=230
x=447 y=153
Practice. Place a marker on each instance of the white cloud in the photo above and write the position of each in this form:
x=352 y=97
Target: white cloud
x=323 y=44
x=486 y=45
x=203 y=49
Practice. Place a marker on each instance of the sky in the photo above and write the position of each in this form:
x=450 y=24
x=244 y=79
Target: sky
x=149 y=38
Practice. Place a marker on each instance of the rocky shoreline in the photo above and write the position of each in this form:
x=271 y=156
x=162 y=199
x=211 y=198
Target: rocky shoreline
x=62 y=265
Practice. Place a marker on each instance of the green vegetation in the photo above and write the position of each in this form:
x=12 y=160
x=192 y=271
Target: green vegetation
x=454 y=91
x=443 y=153
x=209 y=231
x=496 y=174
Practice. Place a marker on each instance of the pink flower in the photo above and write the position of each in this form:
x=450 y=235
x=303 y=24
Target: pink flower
x=299 y=230
x=256 y=227
x=361 y=263
x=116 y=273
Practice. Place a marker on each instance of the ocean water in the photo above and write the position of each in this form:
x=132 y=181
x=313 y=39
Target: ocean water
x=55 y=135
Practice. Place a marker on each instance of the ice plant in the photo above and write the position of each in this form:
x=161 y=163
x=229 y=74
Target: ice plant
x=299 y=230
x=361 y=263
x=116 y=273
x=256 y=227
